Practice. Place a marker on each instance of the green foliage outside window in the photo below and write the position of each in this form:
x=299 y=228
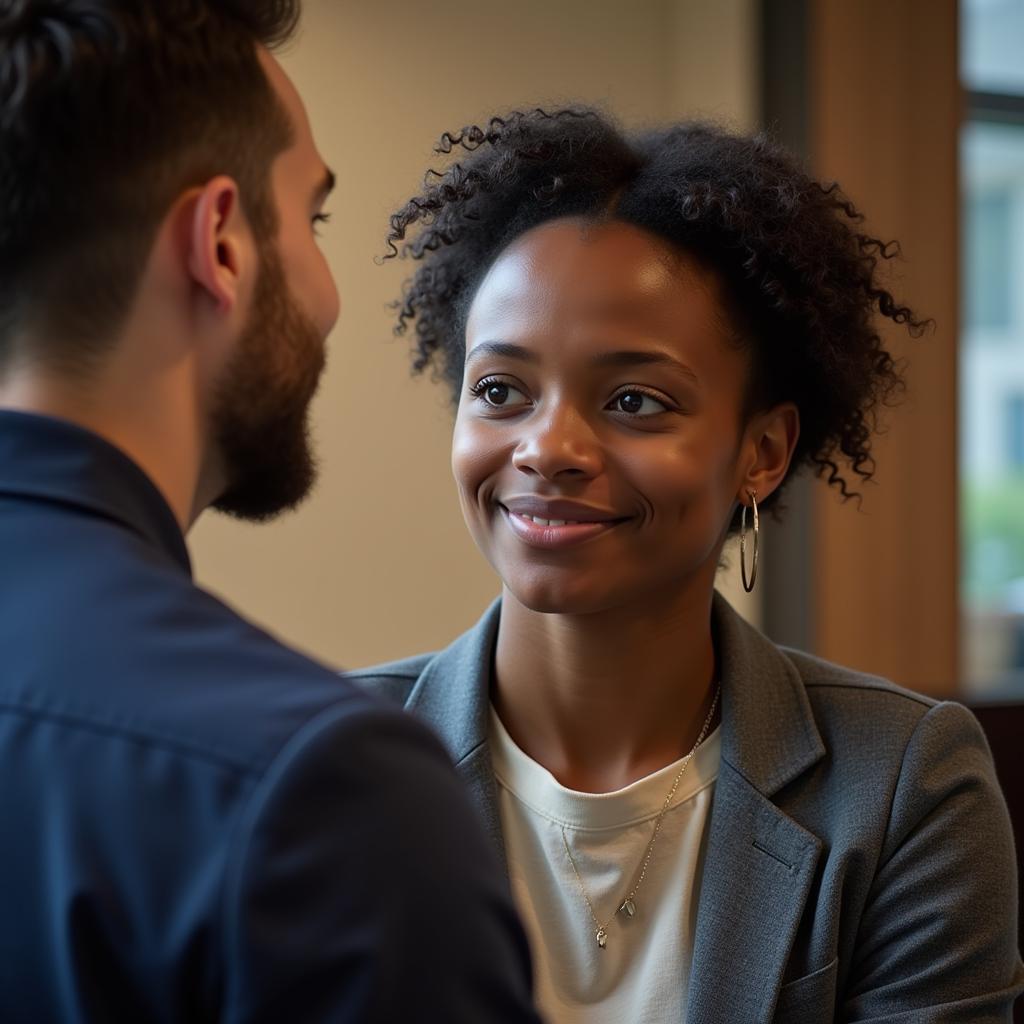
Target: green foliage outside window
x=993 y=538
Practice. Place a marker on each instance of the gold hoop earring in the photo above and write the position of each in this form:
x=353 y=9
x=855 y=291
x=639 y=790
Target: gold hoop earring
x=748 y=583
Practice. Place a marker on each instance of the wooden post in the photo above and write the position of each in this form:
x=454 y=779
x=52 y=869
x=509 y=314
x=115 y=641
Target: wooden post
x=885 y=109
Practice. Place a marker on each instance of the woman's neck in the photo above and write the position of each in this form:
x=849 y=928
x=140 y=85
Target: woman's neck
x=604 y=699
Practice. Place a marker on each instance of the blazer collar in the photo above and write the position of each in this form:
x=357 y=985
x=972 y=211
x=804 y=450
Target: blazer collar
x=768 y=731
x=52 y=460
x=453 y=695
x=759 y=864
x=453 y=691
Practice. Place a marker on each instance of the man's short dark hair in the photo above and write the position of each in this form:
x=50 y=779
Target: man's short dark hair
x=109 y=110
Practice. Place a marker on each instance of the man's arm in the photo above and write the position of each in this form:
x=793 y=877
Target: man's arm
x=938 y=939
x=361 y=889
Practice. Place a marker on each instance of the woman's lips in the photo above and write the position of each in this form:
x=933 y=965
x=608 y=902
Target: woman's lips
x=539 y=532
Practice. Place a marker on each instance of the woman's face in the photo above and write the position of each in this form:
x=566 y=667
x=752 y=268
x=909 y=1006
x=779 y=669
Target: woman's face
x=599 y=449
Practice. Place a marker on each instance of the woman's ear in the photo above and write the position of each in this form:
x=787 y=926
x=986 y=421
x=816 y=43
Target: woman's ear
x=216 y=243
x=771 y=441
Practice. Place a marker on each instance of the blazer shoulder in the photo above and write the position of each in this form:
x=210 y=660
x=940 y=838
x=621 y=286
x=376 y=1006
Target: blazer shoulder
x=392 y=680
x=819 y=675
x=853 y=706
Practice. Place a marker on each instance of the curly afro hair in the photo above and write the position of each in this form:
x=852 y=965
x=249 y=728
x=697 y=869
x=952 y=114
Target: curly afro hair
x=800 y=281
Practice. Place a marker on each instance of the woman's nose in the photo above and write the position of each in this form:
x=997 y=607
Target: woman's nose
x=561 y=443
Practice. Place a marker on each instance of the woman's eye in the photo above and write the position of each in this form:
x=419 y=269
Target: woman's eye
x=637 y=403
x=499 y=395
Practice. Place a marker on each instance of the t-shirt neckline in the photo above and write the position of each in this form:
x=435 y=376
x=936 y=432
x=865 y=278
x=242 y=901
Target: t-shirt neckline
x=536 y=787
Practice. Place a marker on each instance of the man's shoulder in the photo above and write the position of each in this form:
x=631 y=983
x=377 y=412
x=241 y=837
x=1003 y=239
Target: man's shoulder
x=147 y=657
x=248 y=693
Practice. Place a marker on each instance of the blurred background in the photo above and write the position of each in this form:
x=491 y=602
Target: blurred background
x=915 y=106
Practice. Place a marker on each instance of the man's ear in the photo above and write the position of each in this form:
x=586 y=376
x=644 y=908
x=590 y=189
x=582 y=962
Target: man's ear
x=216 y=243
x=770 y=440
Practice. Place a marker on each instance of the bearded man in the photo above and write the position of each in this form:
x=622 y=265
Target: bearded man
x=199 y=823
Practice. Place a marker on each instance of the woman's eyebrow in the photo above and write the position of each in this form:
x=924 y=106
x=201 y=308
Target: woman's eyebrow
x=627 y=358
x=507 y=349
x=624 y=358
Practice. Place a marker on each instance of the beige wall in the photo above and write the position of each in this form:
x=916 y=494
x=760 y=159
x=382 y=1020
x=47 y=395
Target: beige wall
x=376 y=565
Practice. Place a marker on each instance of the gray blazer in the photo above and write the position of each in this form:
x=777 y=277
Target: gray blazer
x=860 y=863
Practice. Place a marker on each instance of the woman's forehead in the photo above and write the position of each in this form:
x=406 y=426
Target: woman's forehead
x=608 y=275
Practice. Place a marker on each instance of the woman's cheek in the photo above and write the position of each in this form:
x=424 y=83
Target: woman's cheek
x=477 y=458
x=467 y=456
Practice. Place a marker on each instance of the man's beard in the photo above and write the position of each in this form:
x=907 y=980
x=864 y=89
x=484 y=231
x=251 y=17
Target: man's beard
x=261 y=415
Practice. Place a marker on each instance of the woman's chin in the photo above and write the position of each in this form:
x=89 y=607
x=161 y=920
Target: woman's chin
x=560 y=596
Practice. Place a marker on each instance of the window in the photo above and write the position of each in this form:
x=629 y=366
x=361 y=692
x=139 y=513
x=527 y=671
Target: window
x=989 y=256
x=1015 y=432
x=992 y=348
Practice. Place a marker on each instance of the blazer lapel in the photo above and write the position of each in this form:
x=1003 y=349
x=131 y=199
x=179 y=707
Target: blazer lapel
x=759 y=863
x=453 y=696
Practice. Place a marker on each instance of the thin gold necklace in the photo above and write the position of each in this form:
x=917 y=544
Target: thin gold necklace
x=628 y=905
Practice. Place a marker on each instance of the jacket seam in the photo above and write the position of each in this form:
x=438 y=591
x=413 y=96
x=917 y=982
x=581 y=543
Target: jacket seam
x=912 y=697
x=881 y=864
x=371 y=674
x=132 y=735
x=469 y=753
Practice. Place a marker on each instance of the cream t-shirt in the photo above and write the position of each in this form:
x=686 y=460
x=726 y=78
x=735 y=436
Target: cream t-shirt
x=642 y=973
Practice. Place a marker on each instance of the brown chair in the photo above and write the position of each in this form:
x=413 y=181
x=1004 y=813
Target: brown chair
x=1004 y=726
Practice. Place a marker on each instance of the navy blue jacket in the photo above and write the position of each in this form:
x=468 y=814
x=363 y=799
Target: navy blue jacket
x=199 y=824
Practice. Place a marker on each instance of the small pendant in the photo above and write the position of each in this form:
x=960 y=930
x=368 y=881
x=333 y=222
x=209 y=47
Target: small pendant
x=602 y=938
x=628 y=907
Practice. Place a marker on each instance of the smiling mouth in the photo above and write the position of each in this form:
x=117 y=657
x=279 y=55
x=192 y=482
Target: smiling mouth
x=550 y=534
x=549 y=522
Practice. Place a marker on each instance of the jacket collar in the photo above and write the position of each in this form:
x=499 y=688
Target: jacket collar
x=760 y=863
x=51 y=460
x=453 y=695
x=768 y=731
x=453 y=692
